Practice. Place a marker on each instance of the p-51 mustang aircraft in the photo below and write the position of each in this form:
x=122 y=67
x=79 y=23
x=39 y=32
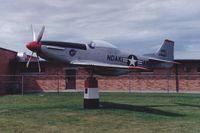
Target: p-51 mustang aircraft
x=100 y=57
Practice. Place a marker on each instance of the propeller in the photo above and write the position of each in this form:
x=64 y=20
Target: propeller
x=40 y=34
x=27 y=64
x=35 y=45
x=39 y=67
x=33 y=33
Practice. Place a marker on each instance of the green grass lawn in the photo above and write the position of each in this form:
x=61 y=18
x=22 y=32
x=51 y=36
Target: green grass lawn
x=119 y=113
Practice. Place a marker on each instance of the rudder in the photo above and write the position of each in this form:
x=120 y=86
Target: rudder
x=166 y=52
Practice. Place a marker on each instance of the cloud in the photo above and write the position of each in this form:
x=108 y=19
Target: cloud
x=132 y=25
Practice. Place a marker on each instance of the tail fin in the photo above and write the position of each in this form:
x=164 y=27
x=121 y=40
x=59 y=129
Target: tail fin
x=166 y=52
x=164 y=57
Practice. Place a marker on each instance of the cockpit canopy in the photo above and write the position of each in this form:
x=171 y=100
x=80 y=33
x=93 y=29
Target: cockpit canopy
x=100 y=44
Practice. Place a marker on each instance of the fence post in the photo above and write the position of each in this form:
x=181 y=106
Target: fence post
x=168 y=83
x=129 y=80
x=58 y=88
x=22 y=78
x=177 y=79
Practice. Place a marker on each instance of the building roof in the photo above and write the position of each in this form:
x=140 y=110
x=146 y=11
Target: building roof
x=178 y=56
x=192 y=55
x=7 y=50
x=23 y=57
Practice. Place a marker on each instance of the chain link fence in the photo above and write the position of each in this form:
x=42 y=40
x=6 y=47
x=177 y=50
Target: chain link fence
x=20 y=84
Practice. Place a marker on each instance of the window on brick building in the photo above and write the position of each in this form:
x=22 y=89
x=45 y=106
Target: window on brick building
x=187 y=68
x=198 y=69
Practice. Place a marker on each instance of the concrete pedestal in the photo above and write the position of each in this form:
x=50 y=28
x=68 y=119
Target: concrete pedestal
x=91 y=94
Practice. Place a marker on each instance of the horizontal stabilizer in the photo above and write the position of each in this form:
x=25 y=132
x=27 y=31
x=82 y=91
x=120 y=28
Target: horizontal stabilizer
x=162 y=61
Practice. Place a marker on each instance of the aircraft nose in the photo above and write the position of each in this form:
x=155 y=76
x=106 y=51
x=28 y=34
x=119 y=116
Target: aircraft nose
x=34 y=46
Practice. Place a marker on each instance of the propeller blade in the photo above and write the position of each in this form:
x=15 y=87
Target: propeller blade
x=40 y=34
x=33 y=33
x=27 y=64
x=39 y=67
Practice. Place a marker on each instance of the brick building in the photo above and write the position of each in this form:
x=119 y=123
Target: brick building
x=59 y=77
x=6 y=67
x=184 y=77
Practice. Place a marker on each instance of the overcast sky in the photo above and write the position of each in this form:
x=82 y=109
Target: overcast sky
x=133 y=25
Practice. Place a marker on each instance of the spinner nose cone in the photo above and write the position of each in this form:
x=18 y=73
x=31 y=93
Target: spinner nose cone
x=34 y=46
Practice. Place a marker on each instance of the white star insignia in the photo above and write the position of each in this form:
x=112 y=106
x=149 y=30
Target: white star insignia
x=132 y=61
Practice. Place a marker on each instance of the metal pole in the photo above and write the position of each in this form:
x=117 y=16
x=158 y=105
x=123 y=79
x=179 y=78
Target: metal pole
x=129 y=79
x=168 y=83
x=177 y=79
x=133 y=82
x=58 y=85
x=22 y=78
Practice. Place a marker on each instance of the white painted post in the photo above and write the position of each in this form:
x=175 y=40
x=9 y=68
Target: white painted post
x=91 y=93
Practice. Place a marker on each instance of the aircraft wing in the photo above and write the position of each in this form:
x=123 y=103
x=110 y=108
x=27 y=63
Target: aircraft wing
x=106 y=65
x=160 y=60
